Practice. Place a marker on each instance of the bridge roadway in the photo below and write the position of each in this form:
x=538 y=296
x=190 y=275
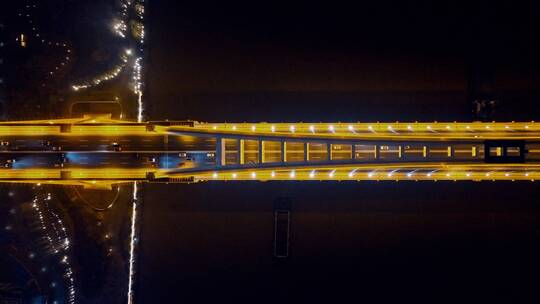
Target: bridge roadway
x=82 y=151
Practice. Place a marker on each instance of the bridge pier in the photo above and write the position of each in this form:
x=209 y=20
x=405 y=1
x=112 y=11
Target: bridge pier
x=353 y=151
x=329 y=151
x=240 y=146
x=283 y=151
x=261 y=152
x=306 y=152
x=504 y=151
x=220 y=151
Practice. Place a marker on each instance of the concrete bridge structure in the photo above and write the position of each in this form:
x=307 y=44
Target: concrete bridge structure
x=96 y=151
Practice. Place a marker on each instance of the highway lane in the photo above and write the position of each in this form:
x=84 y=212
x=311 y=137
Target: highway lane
x=295 y=151
x=376 y=131
x=98 y=151
x=172 y=151
x=89 y=159
x=346 y=172
x=410 y=171
x=104 y=143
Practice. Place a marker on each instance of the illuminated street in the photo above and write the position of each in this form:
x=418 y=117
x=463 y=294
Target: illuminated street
x=91 y=149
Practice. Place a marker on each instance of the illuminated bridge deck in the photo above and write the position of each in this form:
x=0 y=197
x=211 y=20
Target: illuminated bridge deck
x=100 y=151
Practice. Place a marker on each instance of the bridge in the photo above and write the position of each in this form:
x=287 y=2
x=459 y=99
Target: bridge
x=97 y=151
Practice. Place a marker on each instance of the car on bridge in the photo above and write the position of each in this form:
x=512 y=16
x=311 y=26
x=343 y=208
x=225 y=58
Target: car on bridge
x=9 y=163
x=150 y=161
x=116 y=147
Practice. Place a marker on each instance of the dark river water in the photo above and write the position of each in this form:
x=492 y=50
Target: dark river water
x=349 y=241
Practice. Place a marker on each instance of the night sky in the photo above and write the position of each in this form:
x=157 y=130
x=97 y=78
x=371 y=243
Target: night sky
x=304 y=61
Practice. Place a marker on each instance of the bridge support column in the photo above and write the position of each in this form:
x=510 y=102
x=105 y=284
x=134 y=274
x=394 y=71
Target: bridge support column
x=450 y=151
x=261 y=152
x=376 y=151
x=220 y=151
x=166 y=144
x=240 y=145
x=306 y=151
x=353 y=151
x=400 y=151
x=283 y=151
x=425 y=151
x=329 y=151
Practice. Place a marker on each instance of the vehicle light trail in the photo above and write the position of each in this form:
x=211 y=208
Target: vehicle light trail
x=57 y=237
x=112 y=74
x=132 y=244
x=137 y=87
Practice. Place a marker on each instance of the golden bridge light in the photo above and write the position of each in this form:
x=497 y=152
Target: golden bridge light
x=436 y=163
